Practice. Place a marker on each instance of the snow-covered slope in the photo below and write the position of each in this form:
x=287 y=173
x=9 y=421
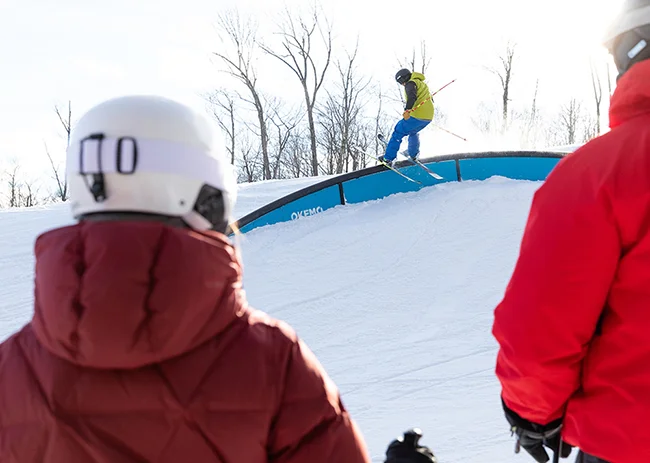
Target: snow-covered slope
x=18 y=229
x=395 y=297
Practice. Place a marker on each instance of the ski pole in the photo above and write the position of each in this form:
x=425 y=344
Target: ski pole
x=450 y=132
x=432 y=95
x=558 y=452
x=441 y=88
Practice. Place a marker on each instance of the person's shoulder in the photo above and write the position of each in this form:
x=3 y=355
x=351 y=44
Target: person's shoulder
x=17 y=353
x=17 y=343
x=268 y=343
x=621 y=147
x=259 y=329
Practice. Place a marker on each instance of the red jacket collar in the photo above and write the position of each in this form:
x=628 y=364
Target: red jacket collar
x=632 y=95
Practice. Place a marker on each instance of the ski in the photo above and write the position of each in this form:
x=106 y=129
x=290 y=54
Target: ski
x=429 y=171
x=414 y=161
x=392 y=168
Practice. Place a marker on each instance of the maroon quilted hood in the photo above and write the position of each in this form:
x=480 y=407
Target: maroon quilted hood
x=127 y=294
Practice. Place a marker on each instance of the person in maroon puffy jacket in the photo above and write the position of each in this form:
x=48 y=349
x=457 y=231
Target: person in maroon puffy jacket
x=574 y=358
x=142 y=347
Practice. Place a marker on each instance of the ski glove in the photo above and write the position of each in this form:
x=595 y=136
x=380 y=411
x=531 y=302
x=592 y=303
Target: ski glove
x=407 y=450
x=533 y=437
x=407 y=114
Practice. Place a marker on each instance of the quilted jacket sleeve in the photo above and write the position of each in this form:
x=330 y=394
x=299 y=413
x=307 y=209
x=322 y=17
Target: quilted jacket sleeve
x=551 y=307
x=312 y=425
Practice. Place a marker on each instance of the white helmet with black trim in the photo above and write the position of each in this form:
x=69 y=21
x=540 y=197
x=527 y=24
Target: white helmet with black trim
x=628 y=37
x=153 y=156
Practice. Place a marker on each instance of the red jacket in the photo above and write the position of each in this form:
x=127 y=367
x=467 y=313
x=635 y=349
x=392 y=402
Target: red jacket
x=574 y=324
x=142 y=349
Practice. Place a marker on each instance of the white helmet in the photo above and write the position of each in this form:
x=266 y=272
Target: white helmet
x=628 y=37
x=151 y=155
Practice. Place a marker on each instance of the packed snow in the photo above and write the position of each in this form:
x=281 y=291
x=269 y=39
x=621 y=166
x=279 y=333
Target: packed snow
x=394 y=296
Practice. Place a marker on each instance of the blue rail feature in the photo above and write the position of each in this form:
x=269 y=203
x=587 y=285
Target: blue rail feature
x=519 y=168
x=378 y=182
x=302 y=206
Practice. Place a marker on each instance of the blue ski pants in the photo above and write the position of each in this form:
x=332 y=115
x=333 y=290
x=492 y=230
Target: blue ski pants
x=404 y=127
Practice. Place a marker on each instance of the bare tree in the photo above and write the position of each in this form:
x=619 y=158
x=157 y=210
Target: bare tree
x=364 y=137
x=486 y=118
x=532 y=119
x=299 y=56
x=298 y=159
x=589 y=126
x=59 y=178
x=28 y=193
x=411 y=63
x=66 y=121
x=382 y=124
x=222 y=106
x=609 y=78
x=242 y=34
x=570 y=115
x=341 y=116
x=379 y=124
x=328 y=140
x=13 y=185
x=504 y=73
x=534 y=111
x=598 y=93
x=352 y=102
x=58 y=172
x=284 y=124
x=250 y=166
x=20 y=192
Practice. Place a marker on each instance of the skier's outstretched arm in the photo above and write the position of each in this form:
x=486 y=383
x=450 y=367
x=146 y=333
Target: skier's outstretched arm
x=568 y=258
x=312 y=425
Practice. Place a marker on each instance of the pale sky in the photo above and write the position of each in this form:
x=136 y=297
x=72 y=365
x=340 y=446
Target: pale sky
x=52 y=51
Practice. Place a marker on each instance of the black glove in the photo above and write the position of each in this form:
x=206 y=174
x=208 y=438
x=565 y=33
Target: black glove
x=533 y=437
x=407 y=450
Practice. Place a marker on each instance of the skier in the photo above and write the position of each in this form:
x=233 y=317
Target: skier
x=142 y=346
x=574 y=358
x=418 y=113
